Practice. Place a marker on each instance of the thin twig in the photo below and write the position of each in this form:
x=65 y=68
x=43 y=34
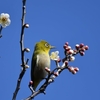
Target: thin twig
x=47 y=82
x=1 y=31
x=22 y=52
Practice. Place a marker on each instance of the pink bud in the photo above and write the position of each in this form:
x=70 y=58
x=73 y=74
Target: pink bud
x=59 y=60
x=66 y=63
x=82 y=53
x=81 y=45
x=67 y=49
x=56 y=74
x=70 y=52
x=66 y=43
x=65 y=46
x=31 y=83
x=76 y=69
x=73 y=72
x=77 y=46
x=83 y=49
x=86 y=47
x=47 y=69
x=71 y=69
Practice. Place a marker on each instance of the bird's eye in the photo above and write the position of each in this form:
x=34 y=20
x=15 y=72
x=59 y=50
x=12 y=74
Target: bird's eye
x=47 y=45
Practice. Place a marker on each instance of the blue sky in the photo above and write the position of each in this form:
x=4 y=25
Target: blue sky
x=56 y=21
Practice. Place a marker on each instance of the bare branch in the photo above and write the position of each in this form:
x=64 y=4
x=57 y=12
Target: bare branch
x=24 y=63
x=1 y=31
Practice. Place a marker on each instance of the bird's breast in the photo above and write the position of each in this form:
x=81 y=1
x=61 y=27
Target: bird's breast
x=43 y=61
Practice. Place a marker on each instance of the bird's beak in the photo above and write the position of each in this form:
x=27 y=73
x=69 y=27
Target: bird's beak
x=52 y=47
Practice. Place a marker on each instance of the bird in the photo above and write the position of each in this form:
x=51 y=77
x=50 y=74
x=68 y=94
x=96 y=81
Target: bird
x=40 y=60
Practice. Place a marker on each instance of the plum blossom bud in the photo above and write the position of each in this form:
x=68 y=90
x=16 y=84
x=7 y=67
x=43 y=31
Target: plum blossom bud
x=66 y=63
x=81 y=45
x=59 y=60
x=68 y=48
x=70 y=51
x=50 y=80
x=76 y=69
x=75 y=51
x=27 y=25
x=27 y=49
x=71 y=69
x=56 y=74
x=83 y=49
x=77 y=46
x=65 y=46
x=72 y=58
x=66 y=43
x=47 y=69
x=26 y=66
x=53 y=77
x=82 y=53
x=30 y=83
x=74 y=72
x=86 y=47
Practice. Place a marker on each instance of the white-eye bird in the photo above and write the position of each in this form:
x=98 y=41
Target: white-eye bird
x=40 y=60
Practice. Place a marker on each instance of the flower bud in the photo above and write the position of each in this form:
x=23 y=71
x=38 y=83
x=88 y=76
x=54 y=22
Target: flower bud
x=65 y=46
x=59 y=60
x=81 y=45
x=70 y=69
x=72 y=58
x=27 y=49
x=82 y=53
x=83 y=49
x=56 y=73
x=27 y=25
x=47 y=69
x=66 y=43
x=70 y=51
x=73 y=72
x=66 y=63
x=86 y=47
x=50 y=80
x=30 y=83
x=77 y=46
x=26 y=66
x=76 y=69
x=75 y=51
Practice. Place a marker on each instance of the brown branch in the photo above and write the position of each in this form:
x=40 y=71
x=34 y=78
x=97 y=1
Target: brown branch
x=1 y=31
x=49 y=79
x=24 y=63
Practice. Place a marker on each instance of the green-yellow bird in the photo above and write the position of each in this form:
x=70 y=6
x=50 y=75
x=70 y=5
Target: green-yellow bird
x=40 y=60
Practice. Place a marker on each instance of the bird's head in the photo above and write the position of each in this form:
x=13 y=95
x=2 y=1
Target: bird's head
x=43 y=45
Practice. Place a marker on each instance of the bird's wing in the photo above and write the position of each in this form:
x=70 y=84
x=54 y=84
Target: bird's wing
x=33 y=64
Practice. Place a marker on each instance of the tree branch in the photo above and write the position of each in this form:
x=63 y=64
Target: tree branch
x=1 y=31
x=24 y=63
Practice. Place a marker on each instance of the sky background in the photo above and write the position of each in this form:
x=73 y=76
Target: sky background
x=56 y=21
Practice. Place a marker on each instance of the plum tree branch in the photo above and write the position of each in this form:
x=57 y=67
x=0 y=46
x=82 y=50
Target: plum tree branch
x=24 y=63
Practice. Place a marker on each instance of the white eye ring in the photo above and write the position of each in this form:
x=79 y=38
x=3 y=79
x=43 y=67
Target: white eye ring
x=47 y=45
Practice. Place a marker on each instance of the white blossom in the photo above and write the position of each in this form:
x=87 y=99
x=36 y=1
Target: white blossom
x=4 y=19
x=54 y=55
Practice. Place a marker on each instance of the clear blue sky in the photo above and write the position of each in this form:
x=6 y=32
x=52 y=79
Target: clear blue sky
x=57 y=21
